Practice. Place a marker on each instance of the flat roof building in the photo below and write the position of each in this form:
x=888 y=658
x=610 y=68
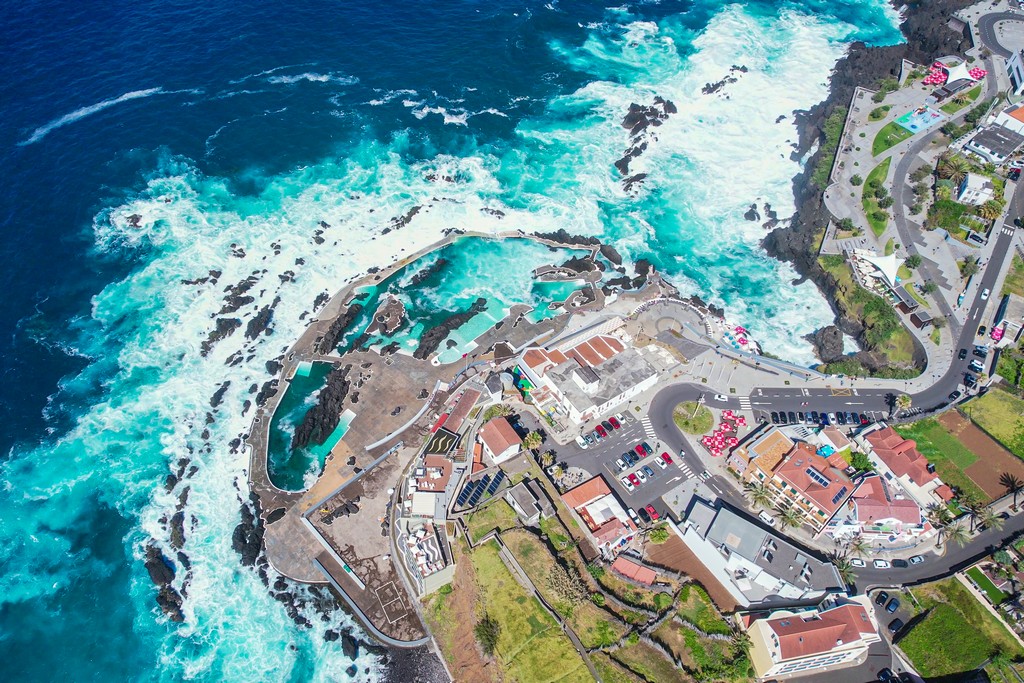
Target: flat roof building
x=995 y=143
x=602 y=514
x=975 y=189
x=530 y=501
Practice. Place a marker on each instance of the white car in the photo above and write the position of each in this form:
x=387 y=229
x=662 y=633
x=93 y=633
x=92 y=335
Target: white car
x=641 y=476
x=881 y=564
x=766 y=518
x=661 y=463
x=857 y=562
x=632 y=515
x=581 y=442
x=623 y=418
x=984 y=294
x=721 y=397
x=620 y=464
x=625 y=482
x=916 y=559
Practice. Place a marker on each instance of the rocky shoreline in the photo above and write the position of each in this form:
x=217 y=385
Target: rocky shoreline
x=927 y=36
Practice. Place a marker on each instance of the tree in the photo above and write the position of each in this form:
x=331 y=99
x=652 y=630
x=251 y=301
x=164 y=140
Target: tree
x=557 y=472
x=954 y=167
x=843 y=566
x=741 y=642
x=658 y=535
x=858 y=546
x=913 y=261
x=856 y=180
x=846 y=224
x=973 y=507
x=990 y=210
x=988 y=519
x=861 y=462
x=533 y=440
x=916 y=208
x=1012 y=483
x=919 y=174
x=547 y=459
x=487 y=631
x=1002 y=557
x=886 y=202
x=789 y=517
x=759 y=494
x=881 y=192
x=956 y=533
x=969 y=267
x=903 y=401
x=929 y=287
x=500 y=410
x=961 y=97
x=939 y=322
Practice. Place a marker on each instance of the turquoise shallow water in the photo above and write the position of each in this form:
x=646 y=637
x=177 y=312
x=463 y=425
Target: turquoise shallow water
x=150 y=145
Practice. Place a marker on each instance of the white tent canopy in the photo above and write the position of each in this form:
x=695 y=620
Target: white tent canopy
x=957 y=73
x=886 y=267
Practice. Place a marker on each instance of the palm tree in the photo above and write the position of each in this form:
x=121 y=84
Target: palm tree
x=843 y=566
x=1013 y=485
x=547 y=459
x=973 y=508
x=858 y=546
x=903 y=401
x=759 y=494
x=501 y=410
x=988 y=519
x=961 y=97
x=741 y=642
x=789 y=517
x=956 y=533
x=990 y=210
x=533 y=440
x=954 y=167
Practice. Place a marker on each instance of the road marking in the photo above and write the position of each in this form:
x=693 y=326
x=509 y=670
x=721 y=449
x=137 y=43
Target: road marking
x=841 y=391
x=648 y=429
x=744 y=403
x=674 y=479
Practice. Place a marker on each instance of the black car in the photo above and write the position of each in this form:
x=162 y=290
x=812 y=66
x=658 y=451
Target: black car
x=643 y=514
x=814 y=416
x=775 y=418
x=630 y=458
x=962 y=354
x=970 y=380
x=981 y=352
x=886 y=675
x=982 y=330
x=1014 y=174
x=782 y=417
x=895 y=625
x=608 y=426
x=881 y=598
x=893 y=605
x=954 y=396
x=840 y=418
x=856 y=418
x=792 y=417
x=900 y=564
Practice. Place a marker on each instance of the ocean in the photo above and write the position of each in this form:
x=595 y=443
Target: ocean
x=156 y=153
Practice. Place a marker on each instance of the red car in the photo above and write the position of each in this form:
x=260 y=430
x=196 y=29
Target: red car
x=651 y=511
x=602 y=432
x=667 y=458
x=639 y=450
x=614 y=422
x=634 y=480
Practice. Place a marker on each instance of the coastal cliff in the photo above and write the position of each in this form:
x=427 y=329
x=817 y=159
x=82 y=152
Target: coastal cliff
x=928 y=35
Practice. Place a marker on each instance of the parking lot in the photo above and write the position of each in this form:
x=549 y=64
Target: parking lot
x=600 y=457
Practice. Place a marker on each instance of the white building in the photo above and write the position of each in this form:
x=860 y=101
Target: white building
x=1015 y=71
x=975 y=190
x=585 y=377
x=791 y=643
x=879 y=511
x=899 y=462
x=499 y=440
x=994 y=143
x=1011 y=118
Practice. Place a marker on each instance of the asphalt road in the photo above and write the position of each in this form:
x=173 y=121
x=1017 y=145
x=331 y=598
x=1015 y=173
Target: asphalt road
x=987 y=31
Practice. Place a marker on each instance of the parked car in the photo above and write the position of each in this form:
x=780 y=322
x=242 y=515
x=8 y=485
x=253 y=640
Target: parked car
x=976 y=365
x=581 y=442
x=621 y=464
x=984 y=294
x=627 y=483
x=981 y=351
x=608 y=426
x=782 y=417
x=661 y=463
x=766 y=518
x=881 y=564
x=614 y=423
x=721 y=397
x=900 y=564
x=622 y=418
x=632 y=515
x=652 y=512
x=814 y=416
x=970 y=380
x=639 y=450
x=629 y=458
x=962 y=354
x=975 y=237
x=644 y=515
x=646 y=469
x=840 y=418
x=792 y=417
x=634 y=480
x=893 y=605
x=881 y=598
x=1014 y=174
x=666 y=458
x=855 y=418
x=832 y=418
x=775 y=418
x=864 y=419
x=809 y=418
x=895 y=625
x=954 y=396
x=982 y=330
x=886 y=675
x=601 y=431
x=642 y=476
x=916 y=559
x=857 y=562
x=647 y=448
x=589 y=438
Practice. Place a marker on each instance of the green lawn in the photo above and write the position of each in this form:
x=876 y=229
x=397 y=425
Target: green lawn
x=531 y=646
x=912 y=290
x=942 y=449
x=693 y=418
x=957 y=635
x=497 y=515
x=936 y=336
x=952 y=107
x=868 y=201
x=995 y=596
x=695 y=606
x=891 y=134
x=890 y=246
x=650 y=664
x=1014 y=283
x=1001 y=414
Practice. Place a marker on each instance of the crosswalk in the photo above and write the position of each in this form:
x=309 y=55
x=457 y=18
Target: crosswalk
x=685 y=470
x=1007 y=230
x=645 y=421
x=744 y=402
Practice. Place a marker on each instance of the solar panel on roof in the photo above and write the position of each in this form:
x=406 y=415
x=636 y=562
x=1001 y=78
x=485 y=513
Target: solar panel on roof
x=481 y=485
x=498 y=478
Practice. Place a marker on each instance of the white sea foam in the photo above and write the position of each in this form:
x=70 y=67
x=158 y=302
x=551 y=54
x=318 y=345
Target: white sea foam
x=79 y=114
x=314 y=78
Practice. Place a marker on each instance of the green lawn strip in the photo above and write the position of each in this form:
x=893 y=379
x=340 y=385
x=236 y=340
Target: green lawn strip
x=1001 y=415
x=957 y=635
x=995 y=596
x=594 y=626
x=650 y=664
x=1014 y=283
x=952 y=107
x=949 y=456
x=868 y=200
x=693 y=418
x=890 y=246
x=891 y=134
x=912 y=290
x=531 y=647
x=936 y=336
x=695 y=606
x=497 y=515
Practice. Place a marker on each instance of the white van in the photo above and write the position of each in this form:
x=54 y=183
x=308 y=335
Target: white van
x=766 y=518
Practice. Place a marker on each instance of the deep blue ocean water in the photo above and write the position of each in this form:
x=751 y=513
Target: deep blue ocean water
x=148 y=143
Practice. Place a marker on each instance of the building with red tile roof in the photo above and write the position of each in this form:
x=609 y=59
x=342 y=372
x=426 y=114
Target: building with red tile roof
x=806 y=482
x=900 y=463
x=792 y=643
x=635 y=571
x=876 y=511
x=499 y=440
x=602 y=514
